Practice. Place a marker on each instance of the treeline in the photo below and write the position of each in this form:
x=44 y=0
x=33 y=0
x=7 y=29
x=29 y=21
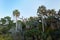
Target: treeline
x=46 y=26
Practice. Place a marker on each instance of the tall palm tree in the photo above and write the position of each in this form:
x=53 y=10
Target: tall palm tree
x=42 y=11
x=51 y=16
x=16 y=13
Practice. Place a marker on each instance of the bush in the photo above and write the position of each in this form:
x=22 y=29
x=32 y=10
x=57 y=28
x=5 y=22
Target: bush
x=6 y=37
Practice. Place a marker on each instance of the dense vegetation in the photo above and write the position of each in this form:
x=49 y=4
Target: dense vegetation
x=46 y=26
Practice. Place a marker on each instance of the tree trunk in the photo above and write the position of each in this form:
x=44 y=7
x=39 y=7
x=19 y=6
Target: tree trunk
x=33 y=37
x=38 y=37
x=42 y=22
x=16 y=24
x=42 y=25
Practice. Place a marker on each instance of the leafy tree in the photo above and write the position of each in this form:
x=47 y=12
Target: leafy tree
x=7 y=24
x=3 y=21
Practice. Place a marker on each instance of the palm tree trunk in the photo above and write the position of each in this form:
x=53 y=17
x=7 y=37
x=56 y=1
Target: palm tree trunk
x=42 y=25
x=33 y=37
x=42 y=22
x=16 y=24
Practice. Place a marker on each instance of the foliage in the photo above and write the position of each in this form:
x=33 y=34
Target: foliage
x=6 y=37
x=49 y=18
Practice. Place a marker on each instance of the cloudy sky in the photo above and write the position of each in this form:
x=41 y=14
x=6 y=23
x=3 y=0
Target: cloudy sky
x=27 y=8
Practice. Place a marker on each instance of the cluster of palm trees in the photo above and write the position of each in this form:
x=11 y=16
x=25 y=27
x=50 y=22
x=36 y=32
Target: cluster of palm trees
x=49 y=23
x=51 y=18
x=46 y=26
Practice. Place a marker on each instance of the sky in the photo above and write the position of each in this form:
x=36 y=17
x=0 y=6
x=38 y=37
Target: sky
x=27 y=8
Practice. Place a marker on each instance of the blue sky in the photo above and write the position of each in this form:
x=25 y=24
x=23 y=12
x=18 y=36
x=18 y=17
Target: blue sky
x=27 y=8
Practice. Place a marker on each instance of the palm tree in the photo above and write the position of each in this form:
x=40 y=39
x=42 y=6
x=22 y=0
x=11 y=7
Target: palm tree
x=16 y=13
x=48 y=12
x=51 y=17
x=42 y=11
x=59 y=13
x=51 y=12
